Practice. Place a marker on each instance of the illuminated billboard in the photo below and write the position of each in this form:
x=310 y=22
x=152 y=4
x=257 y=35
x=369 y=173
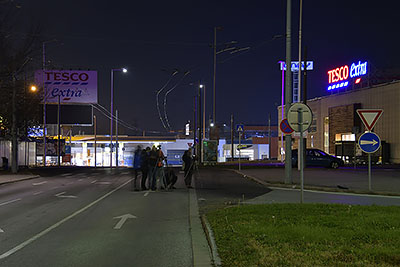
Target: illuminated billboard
x=340 y=76
x=72 y=86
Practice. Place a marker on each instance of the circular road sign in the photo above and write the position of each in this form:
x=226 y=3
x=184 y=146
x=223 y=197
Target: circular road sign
x=285 y=127
x=293 y=117
x=369 y=142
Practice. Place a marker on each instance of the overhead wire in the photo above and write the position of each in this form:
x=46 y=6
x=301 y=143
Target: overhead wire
x=166 y=94
x=158 y=93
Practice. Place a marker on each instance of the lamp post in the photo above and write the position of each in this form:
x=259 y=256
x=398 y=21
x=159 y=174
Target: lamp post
x=112 y=109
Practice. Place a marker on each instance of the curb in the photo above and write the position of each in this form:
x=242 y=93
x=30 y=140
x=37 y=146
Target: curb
x=22 y=179
x=200 y=247
x=315 y=188
x=211 y=241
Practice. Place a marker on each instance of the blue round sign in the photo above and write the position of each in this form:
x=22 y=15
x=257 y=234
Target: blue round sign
x=369 y=142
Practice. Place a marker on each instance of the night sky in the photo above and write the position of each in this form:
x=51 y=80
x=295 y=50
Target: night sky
x=153 y=38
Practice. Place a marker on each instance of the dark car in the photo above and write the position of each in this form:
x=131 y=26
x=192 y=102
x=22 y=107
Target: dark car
x=316 y=157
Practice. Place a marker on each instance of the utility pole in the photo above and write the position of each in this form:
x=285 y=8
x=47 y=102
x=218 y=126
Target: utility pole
x=58 y=132
x=269 y=136
x=44 y=105
x=194 y=124
x=304 y=97
x=14 y=151
x=288 y=94
x=232 y=139
x=215 y=72
x=199 y=123
x=116 y=138
x=95 y=140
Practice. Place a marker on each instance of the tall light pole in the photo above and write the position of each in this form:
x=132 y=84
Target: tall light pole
x=44 y=99
x=112 y=109
x=288 y=93
x=215 y=72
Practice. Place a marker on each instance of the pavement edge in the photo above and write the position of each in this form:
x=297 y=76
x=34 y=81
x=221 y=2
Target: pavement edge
x=21 y=179
x=201 y=250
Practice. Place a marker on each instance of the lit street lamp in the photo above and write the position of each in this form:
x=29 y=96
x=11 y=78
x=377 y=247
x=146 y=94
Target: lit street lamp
x=124 y=70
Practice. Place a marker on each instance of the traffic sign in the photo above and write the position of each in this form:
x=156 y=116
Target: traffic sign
x=293 y=117
x=285 y=127
x=369 y=117
x=369 y=142
x=240 y=127
x=239 y=147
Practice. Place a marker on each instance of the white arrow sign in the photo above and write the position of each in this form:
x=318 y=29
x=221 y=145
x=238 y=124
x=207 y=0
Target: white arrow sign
x=64 y=196
x=123 y=219
x=1 y=230
x=366 y=142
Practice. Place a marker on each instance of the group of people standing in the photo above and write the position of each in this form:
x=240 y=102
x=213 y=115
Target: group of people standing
x=150 y=162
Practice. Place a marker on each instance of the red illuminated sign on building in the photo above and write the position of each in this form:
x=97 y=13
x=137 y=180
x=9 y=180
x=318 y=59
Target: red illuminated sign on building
x=338 y=74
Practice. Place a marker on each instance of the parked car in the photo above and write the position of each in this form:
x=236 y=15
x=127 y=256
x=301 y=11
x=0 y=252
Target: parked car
x=316 y=157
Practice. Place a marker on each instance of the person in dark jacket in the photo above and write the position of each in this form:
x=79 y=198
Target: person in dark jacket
x=189 y=162
x=152 y=162
x=136 y=166
x=145 y=167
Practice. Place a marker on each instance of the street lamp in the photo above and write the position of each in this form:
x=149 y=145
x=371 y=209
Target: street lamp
x=33 y=88
x=124 y=70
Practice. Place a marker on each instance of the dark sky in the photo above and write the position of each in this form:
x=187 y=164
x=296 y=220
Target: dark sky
x=151 y=38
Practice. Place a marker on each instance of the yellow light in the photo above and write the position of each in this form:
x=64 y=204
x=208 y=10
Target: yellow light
x=33 y=88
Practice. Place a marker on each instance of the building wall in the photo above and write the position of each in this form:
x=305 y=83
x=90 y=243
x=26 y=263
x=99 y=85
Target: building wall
x=339 y=106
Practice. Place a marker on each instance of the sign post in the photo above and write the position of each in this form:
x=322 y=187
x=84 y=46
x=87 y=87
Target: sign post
x=369 y=142
x=300 y=118
x=239 y=128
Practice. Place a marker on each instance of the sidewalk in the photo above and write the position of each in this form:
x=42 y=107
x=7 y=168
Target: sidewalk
x=6 y=178
x=385 y=181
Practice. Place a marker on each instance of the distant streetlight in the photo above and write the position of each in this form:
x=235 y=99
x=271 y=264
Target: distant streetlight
x=33 y=88
x=124 y=70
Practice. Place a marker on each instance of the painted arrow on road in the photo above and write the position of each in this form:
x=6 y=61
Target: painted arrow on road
x=40 y=183
x=367 y=142
x=64 y=196
x=123 y=219
x=1 y=230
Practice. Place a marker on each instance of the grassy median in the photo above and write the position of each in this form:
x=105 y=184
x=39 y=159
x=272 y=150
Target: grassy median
x=307 y=235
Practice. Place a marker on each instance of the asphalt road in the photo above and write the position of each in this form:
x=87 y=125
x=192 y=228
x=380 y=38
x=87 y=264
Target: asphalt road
x=74 y=219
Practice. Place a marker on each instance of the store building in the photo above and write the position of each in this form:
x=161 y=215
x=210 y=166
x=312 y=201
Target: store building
x=336 y=125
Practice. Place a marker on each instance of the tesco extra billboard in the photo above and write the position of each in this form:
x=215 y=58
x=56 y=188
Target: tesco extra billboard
x=72 y=86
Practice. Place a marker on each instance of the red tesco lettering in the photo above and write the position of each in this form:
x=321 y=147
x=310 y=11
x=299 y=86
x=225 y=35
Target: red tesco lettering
x=338 y=74
x=67 y=76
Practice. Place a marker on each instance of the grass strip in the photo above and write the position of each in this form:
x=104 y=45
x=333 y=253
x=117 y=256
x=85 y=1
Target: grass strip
x=307 y=235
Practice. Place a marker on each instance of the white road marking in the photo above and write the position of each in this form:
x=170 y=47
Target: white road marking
x=122 y=220
x=80 y=180
x=69 y=183
x=54 y=187
x=147 y=193
x=125 y=173
x=44 y=182
x=1 y=230
x=30 y=240
x=64 y=196
x=37 y=193
x=66 y=174
x=103 y=183
x=92 y=182
x=10 y=201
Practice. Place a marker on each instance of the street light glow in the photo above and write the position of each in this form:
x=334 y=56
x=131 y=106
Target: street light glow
x=33 y=88
x=212 y=124
x=124 y=70
x=201 y=86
